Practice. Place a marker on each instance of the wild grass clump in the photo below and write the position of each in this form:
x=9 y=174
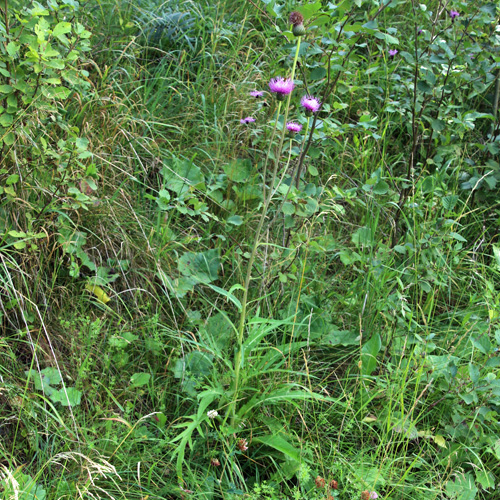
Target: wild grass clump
x=249 y=250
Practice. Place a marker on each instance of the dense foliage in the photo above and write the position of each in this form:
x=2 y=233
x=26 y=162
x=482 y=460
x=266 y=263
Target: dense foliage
x=249 y=249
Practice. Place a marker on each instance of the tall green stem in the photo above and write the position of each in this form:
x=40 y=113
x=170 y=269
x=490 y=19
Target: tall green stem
x=267 y=201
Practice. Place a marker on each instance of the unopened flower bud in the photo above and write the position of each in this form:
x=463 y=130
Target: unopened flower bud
x=298 y=30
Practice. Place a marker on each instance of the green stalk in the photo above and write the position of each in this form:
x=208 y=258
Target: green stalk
x=267 y=202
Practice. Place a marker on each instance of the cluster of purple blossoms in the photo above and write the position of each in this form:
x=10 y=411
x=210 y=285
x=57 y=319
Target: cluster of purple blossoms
x=283 y=87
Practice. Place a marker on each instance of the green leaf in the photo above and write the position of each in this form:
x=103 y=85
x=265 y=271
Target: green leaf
x=485 y=478
x=140 y=379
x=449 y=202
x=312 y=170
x=282 y=445
x=288 y=208
x=236 y=220
x=12 y=179
x=56 y=92
x=363 y=237
x=238 y=170
x=437 y=125
x=6 y=89
x=70 y=397
x=458 y=237
x=179 y=175
x=381 y=187
x=202 y=266
x=473 y=373
x=341 y=337
x=6 y=120
x=61 y=29
x=318 y=73
x=369 y=353
x=227 y=294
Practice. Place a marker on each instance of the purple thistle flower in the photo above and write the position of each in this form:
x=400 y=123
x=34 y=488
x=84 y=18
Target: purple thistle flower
x=311 y=104
x=393 y=52
x=281 y=87
x=294 y=127
x=453 y=14
x=257 y=93
x=247 y=120
x=373 y=495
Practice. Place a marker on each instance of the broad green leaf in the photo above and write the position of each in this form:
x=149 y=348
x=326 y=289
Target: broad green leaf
x=140 y=379
x=201 y=266
x=238 y=170
x=67 y=397
x=61 y=29
x=179 y=175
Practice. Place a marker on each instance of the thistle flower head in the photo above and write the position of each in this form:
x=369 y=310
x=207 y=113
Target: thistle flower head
x=247 y=120
x=310 y=104
x=281 y=87
x=257 y=93
x=454 y=14
x=296 y=18
x=393 y=52
x=294 y=127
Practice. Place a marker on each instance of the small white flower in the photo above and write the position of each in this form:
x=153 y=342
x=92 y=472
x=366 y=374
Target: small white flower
x=211 y=414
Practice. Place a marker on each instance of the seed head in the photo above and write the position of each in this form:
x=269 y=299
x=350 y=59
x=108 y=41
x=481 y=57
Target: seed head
x=320 y=482
x=334 y=485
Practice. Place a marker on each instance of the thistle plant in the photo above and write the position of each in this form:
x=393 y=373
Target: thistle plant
x=282 y=88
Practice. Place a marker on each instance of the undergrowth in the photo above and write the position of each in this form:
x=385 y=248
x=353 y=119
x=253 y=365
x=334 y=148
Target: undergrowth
x=200 y=300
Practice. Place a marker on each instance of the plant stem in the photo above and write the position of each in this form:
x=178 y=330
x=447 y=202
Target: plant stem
x=267 y=201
